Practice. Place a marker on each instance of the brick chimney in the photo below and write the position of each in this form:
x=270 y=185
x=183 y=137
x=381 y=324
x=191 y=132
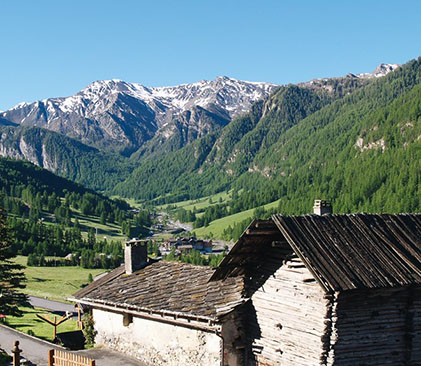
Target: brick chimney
x=135 y=255
x=322 y=207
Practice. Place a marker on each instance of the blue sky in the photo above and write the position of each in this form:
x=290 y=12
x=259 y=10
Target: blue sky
x=55 y=48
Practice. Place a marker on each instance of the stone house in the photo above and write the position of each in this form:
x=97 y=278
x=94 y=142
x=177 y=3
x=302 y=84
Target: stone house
x=166 y=313
x=302 y=290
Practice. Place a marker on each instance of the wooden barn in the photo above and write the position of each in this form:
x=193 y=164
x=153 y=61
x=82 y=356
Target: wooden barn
x=341 y=290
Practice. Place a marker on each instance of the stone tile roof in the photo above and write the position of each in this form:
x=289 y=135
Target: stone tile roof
x=167 y=286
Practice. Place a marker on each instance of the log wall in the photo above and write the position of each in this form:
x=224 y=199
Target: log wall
x=376 y=327
x=290 y=321
x=286 y=318
x=415 y=357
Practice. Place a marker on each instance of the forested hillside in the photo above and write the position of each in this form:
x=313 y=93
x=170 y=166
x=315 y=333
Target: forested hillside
x=197 y=169
x=352 y=140
x=361 y=149
x=65 y=156
x=44 y=211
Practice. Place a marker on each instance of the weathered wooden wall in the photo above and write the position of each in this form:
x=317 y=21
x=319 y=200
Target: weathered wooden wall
x=376 y=327
x=234 y=346
x=291 y=322
x=415 y=358
x=286 y=318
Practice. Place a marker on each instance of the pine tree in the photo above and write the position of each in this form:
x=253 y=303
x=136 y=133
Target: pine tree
x=11 y=275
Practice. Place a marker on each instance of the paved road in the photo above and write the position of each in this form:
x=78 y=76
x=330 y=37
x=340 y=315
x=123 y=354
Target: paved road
x=36 y=350
x=51 y=305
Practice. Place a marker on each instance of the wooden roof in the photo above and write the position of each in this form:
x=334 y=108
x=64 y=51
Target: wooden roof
x=261 y=243
x=343 y=252
x=346 y=252
x=174 y=287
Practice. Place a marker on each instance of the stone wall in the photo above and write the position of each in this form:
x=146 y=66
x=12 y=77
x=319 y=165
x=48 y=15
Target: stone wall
x=157 y=343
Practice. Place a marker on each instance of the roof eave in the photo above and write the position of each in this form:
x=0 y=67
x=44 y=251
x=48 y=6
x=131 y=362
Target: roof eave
x=200 y=322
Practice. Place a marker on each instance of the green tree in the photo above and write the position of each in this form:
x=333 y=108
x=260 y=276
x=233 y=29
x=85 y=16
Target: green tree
x=89 y=331
x=11 y=275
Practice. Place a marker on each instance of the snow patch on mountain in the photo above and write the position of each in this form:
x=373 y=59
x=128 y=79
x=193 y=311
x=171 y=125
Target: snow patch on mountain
x=381 y=70
x=108 y=113
x=233 y=95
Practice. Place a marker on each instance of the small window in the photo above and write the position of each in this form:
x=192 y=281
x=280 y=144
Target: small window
x=127 y=319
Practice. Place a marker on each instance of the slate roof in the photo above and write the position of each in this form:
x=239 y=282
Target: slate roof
x=166 y=286
x=343 y=252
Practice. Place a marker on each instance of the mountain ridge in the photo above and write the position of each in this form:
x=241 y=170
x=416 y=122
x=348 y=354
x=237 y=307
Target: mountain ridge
x=97 y=165
x=315 y=156
x=114 y=115
x=118 y=116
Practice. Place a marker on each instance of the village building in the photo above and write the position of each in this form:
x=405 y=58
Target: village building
x=184 y=249
x=184 y=245
x=166 y=313
x=307 y=290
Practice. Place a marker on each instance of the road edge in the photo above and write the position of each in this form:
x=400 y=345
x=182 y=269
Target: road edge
x=33 y=337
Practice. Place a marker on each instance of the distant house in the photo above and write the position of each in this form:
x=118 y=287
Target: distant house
x=183 y=249
x=203 y=245
x=308 y=290
x=183 y=245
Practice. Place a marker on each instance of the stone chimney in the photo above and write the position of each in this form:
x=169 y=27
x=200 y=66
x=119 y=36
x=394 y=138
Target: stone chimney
x=322 y=207
x=135 y=255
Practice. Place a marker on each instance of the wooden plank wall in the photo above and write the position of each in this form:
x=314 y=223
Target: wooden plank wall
x=415 y=358
x=286 y=320
x=376 y=328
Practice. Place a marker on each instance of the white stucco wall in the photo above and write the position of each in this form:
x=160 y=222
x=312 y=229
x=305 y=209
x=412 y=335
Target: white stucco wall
x=157 y=343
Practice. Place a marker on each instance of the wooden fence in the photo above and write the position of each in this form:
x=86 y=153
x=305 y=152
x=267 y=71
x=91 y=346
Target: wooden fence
x=62 y=358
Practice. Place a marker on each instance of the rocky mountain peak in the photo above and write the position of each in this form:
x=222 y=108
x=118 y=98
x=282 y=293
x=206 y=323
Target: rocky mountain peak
x=381 y=70
x=121 y=113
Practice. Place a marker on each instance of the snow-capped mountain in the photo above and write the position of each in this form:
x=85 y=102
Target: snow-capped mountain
x=117 y=115
x=350 y=81
x=381 y=70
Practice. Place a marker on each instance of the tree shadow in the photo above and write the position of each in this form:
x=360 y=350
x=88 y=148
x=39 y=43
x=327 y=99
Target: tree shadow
x=37 y=279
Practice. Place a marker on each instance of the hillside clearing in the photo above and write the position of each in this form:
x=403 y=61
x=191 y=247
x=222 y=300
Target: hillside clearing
x=217 y=227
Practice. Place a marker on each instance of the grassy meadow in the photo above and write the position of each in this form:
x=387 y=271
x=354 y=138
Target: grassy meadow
x=109 y=231
x=56 y=283
x=217 y=227
x=200 y=203
x=30 y=323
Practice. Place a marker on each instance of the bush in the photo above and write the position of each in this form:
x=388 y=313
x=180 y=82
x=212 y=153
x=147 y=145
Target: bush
x=89 y=331
x=5 y=359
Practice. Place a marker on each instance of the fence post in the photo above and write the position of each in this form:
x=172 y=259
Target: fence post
x=51 y=357
x=92 y=363
x=16 y=354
